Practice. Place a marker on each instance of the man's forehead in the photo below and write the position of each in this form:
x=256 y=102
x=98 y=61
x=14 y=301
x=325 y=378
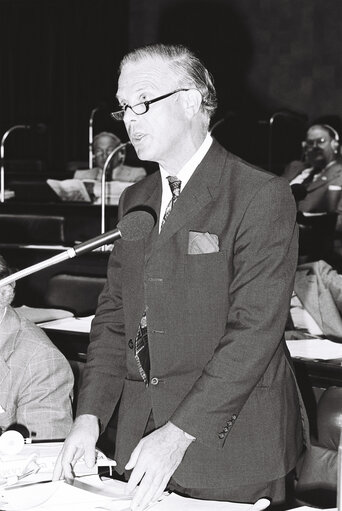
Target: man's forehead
x=317 y=132
x=150 y=72
x=104 y=140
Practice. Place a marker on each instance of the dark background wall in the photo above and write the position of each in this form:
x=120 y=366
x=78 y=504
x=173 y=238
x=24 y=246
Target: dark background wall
x=58 y=61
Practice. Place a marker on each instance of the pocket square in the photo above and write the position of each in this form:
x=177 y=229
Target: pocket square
x=202 y=243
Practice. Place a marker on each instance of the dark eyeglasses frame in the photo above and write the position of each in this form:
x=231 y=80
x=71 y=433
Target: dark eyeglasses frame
x=118 y=115
x=315 y=142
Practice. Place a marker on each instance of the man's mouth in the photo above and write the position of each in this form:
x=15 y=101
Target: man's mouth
x=137 y=137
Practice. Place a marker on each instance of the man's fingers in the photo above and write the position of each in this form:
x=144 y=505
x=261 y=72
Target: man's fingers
x=135 y=477
x=149 y=487
x=159 y=491
x=89 y=457
x=134 y=457
x=58 y=470
x=66 y=460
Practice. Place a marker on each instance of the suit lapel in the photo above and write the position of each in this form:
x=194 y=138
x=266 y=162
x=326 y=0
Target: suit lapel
x=199 y=191
x=330 y=174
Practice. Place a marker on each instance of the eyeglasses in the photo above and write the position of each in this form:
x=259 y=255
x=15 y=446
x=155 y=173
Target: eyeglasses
x=315 y=142
x=143 y=107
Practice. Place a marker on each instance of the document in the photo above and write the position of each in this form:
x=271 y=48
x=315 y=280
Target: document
x=107 y=495
x=70 y=190
x=74 y=324
x=315 y=349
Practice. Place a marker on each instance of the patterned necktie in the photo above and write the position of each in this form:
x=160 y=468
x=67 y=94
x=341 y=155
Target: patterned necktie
x=175 y=185
x=141 y=353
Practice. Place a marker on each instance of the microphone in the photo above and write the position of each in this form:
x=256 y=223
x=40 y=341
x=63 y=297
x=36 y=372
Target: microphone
x=134 y=226
x=103 y=182
x=91 y=132
x=39 y=128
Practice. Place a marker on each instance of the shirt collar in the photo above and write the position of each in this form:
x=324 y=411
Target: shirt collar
x=189 y=168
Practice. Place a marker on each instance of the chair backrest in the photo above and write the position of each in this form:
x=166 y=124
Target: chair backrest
x=317 y=482
x=77 y=293
x=316 y=236
x=32 y=229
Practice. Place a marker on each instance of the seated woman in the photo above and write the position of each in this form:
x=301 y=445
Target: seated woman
x=36 y=381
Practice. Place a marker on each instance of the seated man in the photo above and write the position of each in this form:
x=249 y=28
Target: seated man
x=103 y=145
x=317 y=181
x=36 y=379
x=316 y=304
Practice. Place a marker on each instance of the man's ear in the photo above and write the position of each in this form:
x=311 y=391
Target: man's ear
x=192 y=102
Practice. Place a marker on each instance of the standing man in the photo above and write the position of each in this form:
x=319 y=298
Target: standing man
x=188 y=333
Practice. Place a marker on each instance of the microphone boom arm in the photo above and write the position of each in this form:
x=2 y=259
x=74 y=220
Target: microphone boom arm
x=69 y=253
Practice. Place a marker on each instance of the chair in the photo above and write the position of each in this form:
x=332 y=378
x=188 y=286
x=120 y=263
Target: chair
x=32 y=229
x=316 y=236
x=77 y=293
x=317 y=480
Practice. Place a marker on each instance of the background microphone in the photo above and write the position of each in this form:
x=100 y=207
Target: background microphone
x=39 y=128
x=134 y=226
x=91 y=132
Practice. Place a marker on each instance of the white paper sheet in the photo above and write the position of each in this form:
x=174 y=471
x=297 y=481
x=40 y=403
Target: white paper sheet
x=74 y=324
x=321 y=349
x=58 y=496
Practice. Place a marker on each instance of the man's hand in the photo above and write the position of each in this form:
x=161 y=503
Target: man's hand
x=81 y=441
x=154 y=460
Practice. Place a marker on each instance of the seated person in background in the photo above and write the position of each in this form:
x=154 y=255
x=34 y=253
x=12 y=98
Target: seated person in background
x=316 y=182
x=104 y=143
x=36 y=379
x=316 y=304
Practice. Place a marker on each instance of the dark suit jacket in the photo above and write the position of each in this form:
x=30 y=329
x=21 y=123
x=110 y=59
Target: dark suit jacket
x=319 y=196
x=215 y=324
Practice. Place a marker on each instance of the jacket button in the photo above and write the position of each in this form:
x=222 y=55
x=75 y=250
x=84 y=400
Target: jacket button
x=130 y=344
x=221 y=435
x=234 y=417
x=229 y=423
x=154 y=381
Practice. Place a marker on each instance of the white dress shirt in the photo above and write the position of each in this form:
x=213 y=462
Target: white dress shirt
x=306 y=172
x=183 y=175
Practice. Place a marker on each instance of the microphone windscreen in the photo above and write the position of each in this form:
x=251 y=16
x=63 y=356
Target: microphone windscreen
x=136 y=225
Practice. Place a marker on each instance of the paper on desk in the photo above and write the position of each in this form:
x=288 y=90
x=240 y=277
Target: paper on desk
x=70 y=324
x=321 y=349
x=57 y=496
x=175 y=501
x=307 y=508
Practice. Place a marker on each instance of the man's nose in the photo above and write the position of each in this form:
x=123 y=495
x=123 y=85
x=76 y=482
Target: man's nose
x=129 y=115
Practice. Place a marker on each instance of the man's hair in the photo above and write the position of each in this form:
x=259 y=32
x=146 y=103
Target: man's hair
x=115 y=139
x=5 y=270
x=188 y=66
